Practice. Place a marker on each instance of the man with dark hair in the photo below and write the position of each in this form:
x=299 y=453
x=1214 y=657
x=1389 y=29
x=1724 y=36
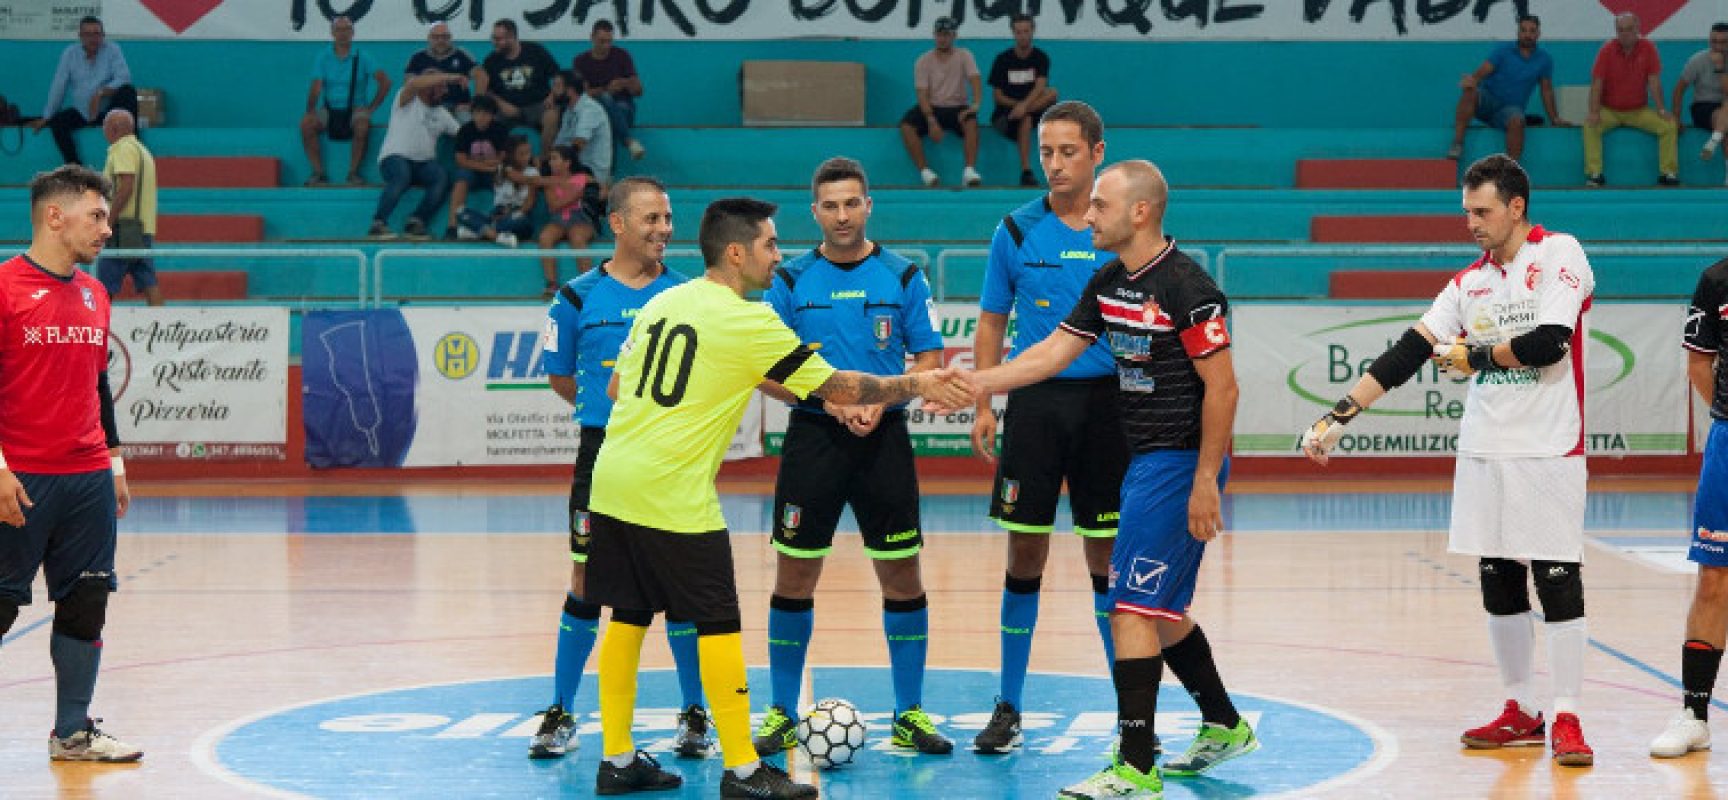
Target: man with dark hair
x=684 y=376
x=1020 y=83
x=482 y=145
x=1065 y=428
x=337 y=104
x=1625 y=80
x=91 y=79
x=584 y=328
x=518 y=75
x=1706 y=72
x=585 y=127
x=612 y=81
x=1497 y=91
x=949 y=91
x=62 y=484
x=865 y=309
x=442 y=54
x=1513 y=322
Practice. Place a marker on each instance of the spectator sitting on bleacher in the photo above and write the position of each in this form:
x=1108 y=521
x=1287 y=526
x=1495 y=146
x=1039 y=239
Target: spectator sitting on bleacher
x=1625 y=80
x=1497 y=91
x=518 y=75
x=1020 y=84
x=611 y=77
x=336 y=103
x=585 y=127
x=942 y=76
x=481 y=145
x=443 y=55
x=512 y=200
x=1706 y=72
x=90 y=79
x=409 y=155
x=132 y=171
x=567 y=222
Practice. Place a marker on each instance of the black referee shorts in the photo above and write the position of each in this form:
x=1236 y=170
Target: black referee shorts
x=581 y=481
x=688 y=576
x=1056 y=430
x=824 y=467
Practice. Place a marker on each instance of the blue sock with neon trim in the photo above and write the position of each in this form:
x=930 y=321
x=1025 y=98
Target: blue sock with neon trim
x=1019 y=618
x=1101 y=613
x=907 y=625
x=578 y=627
x=790 y=623
x=681 y=637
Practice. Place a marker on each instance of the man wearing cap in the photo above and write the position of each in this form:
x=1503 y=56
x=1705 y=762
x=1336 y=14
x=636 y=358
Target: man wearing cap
x=942 y=77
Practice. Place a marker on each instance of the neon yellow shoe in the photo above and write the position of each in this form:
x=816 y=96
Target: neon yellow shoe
x=1119 y=781
x=778 y=732
x=913 y=729
x=1214 y=745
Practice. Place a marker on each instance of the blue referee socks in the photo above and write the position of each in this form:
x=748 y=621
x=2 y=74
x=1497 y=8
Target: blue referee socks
x=790 y=623
x=1019 y=618
x=907 y=625
x=577 y=630
x=681 y=637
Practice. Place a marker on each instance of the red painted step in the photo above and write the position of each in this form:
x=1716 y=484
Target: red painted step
x=1380 y=284
x=218 y=172
x=1376 y=173
x=183 y=228
x=1390 y=229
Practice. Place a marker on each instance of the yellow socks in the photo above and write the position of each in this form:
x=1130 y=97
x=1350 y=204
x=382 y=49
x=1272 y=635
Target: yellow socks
x=620 y=655
x=728 y=690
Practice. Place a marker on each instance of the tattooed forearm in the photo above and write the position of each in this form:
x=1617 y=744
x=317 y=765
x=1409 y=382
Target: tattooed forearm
x=857 y=388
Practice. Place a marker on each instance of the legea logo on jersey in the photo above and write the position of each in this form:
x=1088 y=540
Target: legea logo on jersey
x=470 y=740
x=456 y=356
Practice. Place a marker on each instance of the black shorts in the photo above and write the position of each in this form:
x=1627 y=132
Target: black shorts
x=688 y=576
x=69 y=534
x=946 y=116
x=1702 y=113
x=581 y=480
x=1054 y=430
x=824 y=467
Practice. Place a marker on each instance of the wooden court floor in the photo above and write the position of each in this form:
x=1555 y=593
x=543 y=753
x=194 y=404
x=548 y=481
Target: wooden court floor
x=1349 y=606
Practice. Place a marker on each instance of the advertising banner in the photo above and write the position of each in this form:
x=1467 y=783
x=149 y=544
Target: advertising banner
x=207 y=383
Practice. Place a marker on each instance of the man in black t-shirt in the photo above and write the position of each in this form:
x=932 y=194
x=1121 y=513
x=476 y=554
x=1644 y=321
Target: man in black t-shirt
x=481 y=145
x=518 y=75
x=443 y=55
x=1020 y=81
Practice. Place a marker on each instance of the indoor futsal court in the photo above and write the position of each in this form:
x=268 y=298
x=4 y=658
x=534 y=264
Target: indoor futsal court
x=396 y=641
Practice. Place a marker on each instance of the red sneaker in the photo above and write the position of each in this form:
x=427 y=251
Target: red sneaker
x=1513 y=728
x=1569 y=747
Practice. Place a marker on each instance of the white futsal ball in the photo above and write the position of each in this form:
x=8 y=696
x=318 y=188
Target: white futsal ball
x=832 y=733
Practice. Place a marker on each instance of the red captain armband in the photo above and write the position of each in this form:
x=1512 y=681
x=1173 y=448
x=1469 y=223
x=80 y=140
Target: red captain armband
x=1206 y=338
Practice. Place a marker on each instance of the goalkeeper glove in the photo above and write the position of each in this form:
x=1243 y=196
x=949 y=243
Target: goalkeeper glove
x=1462 y=360
x=1324 y=434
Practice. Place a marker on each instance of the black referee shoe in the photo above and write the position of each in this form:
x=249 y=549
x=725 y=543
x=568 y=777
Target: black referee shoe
x=642 y=775
x=1002 y=735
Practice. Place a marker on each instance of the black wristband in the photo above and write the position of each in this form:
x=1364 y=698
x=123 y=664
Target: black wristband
x=1346 y=410
x=1481 y=358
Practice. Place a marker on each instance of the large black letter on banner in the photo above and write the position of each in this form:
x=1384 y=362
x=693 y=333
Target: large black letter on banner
x=620 y=13
x=1359 y=9
x=1520 y=9
x=546 y=16
x=1226 y=13
x=673 y=12
x=1132 y=13
x=1436 y=11
x=803 y=10
x=429 y=15
x=725 y=16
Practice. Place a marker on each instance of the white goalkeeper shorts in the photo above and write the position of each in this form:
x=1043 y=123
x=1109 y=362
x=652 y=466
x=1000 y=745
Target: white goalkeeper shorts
x=1520 y=508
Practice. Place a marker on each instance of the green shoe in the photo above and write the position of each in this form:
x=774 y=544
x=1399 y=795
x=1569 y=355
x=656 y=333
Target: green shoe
x=1215 y=745
x=779 y=732
x=914 y=729
x=1119 y=781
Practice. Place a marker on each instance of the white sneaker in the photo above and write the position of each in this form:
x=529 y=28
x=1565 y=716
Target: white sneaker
x=466 y=234
x=506 y=239
x=1709 y=150
x=1684 y=734
x=928 y=176
x=91 y=744
x=970 y=177
x=637 y=151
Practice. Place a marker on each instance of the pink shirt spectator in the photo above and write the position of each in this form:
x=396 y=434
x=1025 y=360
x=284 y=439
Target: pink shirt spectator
x=947 y=79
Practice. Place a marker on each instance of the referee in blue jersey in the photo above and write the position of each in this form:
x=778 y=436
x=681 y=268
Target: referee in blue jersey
x=862 y=308
x=585 y=326
x=1064 y=428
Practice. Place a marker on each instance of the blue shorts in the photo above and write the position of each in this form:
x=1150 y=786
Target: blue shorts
x=477 y=181
x=1710 y=504
x=1155 y=562
x=1494 y=112
x=69 y=534
x=112 y=272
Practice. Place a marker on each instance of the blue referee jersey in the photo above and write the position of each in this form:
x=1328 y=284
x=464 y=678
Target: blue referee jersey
x=1037 y=269
x=863 y=316
x=586 y=325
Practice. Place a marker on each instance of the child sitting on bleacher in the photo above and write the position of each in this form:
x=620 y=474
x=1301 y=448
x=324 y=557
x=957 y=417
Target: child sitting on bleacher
x=512 y=199
x=568 y=221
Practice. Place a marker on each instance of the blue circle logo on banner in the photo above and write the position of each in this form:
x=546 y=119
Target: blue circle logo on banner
x=471 y=740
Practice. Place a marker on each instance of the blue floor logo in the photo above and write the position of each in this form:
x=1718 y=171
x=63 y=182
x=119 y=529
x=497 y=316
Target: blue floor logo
x=471 y=740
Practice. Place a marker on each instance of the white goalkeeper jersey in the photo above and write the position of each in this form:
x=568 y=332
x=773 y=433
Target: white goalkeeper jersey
x=1523 y=412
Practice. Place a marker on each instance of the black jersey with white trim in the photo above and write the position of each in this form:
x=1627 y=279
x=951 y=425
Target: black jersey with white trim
x=1706 y=322
x=1157 y=319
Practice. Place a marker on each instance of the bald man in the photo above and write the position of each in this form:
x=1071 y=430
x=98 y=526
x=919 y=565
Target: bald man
x=1626 y=89
x=443 y=55
x=132 y=171
x=1164 y=319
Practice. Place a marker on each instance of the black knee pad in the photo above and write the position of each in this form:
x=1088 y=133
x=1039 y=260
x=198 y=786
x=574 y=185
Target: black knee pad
x=1560 y=587
x=1505 y=586
x=8 y=615
x=83 y=611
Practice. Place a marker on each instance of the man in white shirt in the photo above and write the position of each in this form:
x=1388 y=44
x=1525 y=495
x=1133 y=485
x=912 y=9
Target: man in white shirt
x=1512 y=322
x=409 y=155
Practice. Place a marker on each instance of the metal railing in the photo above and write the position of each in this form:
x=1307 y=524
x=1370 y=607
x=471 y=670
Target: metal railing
x=362 y=269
